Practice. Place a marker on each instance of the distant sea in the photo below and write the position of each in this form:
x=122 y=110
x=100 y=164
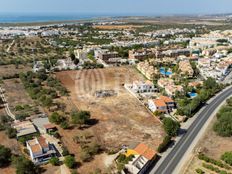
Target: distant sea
x=31 y=18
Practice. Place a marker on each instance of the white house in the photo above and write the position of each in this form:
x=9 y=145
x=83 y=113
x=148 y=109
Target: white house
x=141 y=87
x=163 y=104
x=157 y=105
x=40 y=150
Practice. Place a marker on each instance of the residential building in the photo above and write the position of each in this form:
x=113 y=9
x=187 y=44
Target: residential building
x=143 y=158
x=141 y=54
x=172 y=89
x=106 y=55
x=209 y=52
x=204 y=62
x=81 y=55
x=163 y=104
x=147 y=70
x=163 y=82
x=195 y=84
x=40 y=150
x=141 y=87
x=169 y=102
x=157 y=105
x=43 y=125
x=186 y=68
x=24 y=128
x=177 y=52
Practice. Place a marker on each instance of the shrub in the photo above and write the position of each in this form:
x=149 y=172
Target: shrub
x=200 y=171
x=223 y=125
x=171 y=127
x=227 y=157
x=56 y=118
x=164 y=145
x=65 y=151
x=69 y=161
x=23 y=166
x=11 y=132
x=54 y=161
x=5 y=156
x=80 y=117
x=213 y=161
x=85 y=156
x=64 y=125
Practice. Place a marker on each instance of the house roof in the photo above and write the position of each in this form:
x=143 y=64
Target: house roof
x=166 y=99
x=24 y=128
x=49 y=126
x=43 y=143
x=36 y=148
x=40 y=122
x=159 y=103
x=145 y=151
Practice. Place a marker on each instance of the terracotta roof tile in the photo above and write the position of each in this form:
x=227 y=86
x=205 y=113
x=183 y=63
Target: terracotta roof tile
x=42 y=142
x=145 y=151
x=36 y=148
x=49 y=126
x=159 y=103
x=166 y=99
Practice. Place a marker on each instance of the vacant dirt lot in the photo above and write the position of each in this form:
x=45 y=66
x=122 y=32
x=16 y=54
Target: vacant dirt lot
x=117 y=27
x=120 y=119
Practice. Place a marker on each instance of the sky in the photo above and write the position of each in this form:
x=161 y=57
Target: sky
x=120 y=7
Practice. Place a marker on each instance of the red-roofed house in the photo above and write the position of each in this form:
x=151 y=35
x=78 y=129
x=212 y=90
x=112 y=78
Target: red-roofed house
x=40 y=150
x=143 y=157
x=162 y=104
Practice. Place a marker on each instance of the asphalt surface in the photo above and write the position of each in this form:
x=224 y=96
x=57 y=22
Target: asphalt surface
x=174 y=157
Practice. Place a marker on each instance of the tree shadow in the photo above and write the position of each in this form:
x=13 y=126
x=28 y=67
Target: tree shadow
x=182 y=132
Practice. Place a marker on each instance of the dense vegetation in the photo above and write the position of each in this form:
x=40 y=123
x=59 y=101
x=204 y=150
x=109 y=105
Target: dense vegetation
x=25 y=166
x=69 y=161
x=223 y=125
x=5 y=156
x=42 y=87
x=122 y=160
x=171 y=127
x=218 y=163
x=189 y=107
x=227 y=157
x=164 y=145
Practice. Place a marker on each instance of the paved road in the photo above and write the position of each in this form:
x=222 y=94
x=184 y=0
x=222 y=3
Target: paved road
x=174 y=157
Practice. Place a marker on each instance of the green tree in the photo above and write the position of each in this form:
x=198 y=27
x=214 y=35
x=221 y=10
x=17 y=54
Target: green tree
x=5 y=156
x=54 y=161
x=164 y=145
x=80 y=117
x=72 y=56
x=56 y=118
x=69 y=161
x=25 y=166
x=11 y=132
x=223 y=126
x=171 y=127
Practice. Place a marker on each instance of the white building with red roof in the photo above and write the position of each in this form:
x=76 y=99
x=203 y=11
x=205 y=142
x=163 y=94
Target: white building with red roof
x=40 y=150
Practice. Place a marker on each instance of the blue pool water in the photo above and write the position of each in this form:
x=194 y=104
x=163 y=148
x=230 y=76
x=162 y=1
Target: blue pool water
x=192 y=94
x=163 y=72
